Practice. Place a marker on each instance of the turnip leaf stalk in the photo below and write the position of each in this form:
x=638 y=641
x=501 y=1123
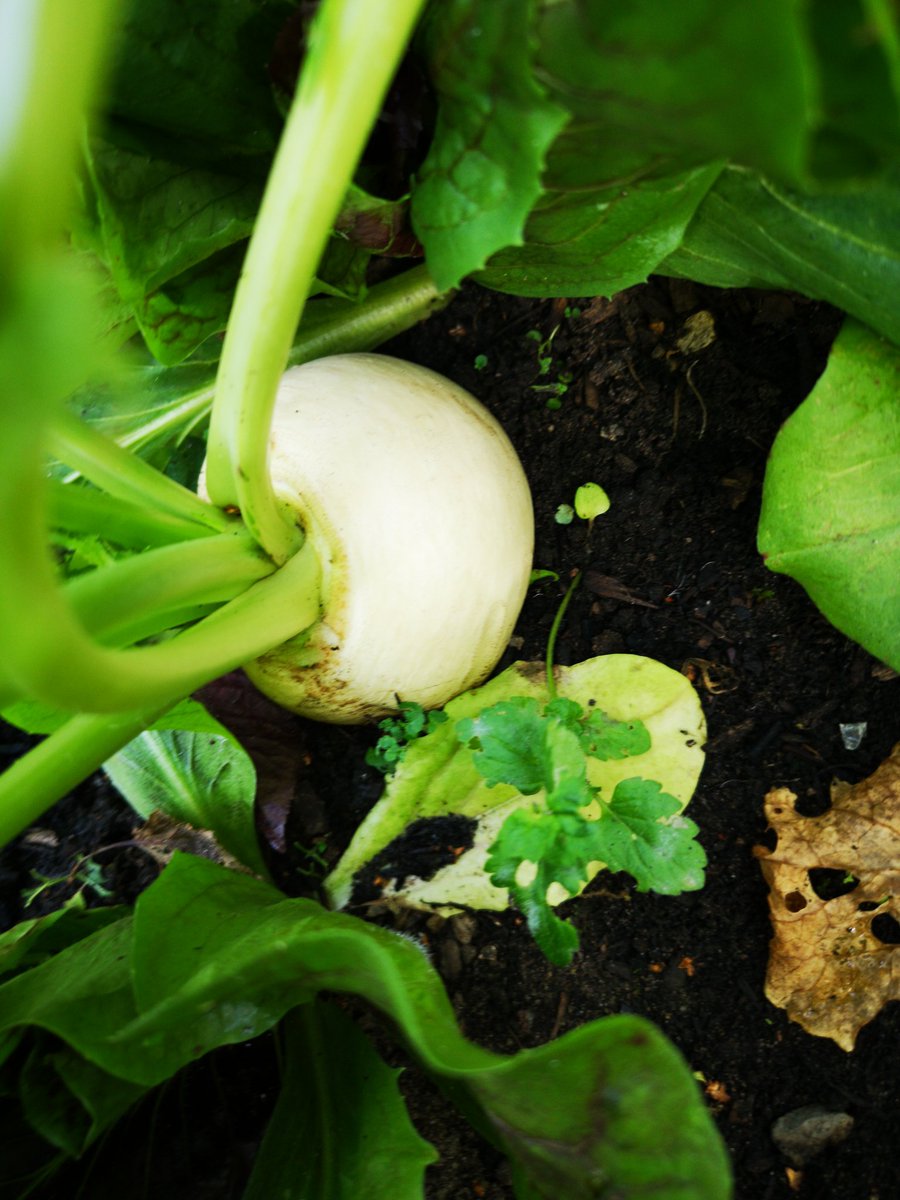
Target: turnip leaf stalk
x=352 y=55
x=307 y=185
x=263 y=587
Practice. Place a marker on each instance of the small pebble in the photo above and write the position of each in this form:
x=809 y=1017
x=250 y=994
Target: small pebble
x=802 y=1134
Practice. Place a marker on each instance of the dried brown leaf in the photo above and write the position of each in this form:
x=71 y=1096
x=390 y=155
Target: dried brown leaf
x=827 y=968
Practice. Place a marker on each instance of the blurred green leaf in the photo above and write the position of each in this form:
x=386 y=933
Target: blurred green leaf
x=669 y=88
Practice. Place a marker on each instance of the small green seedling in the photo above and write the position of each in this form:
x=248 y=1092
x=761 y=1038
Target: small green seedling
x=591 y=501
x=560 y=386
x=85 y=872
x=481 y=361
x=564 y=515
x=397 y=732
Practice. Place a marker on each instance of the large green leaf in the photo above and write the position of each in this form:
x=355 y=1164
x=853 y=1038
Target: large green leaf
x=199 y=76
x=667 y=87
x=214 y=958
x=339 y=1097
x=857 y=43
x=831 y=500
x=171 y=237
x=483 y=172
x=838 y=245
x=598 y=244
x=438 y=781
x=158 y=217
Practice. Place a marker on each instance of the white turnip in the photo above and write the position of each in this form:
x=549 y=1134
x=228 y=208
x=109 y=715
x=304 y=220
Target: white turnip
x=419 y=510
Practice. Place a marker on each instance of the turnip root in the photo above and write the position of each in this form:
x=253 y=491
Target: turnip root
x=419 y=510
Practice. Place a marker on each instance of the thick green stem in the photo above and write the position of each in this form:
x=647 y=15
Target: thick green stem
x=330 y=326
x=354 y=47
x=51 y=658
x=84 y=510
x=390 y=308
x=124 y=475
x=59 y=763
x=114 y=601
x=266 y=615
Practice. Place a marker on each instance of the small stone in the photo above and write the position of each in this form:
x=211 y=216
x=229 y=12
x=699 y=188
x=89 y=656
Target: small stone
x=802 y=1134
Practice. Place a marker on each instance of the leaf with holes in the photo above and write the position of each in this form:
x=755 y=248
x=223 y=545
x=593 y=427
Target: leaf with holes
x=834 y=964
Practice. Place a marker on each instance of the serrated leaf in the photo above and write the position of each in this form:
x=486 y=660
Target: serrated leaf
x=642 y=831
x=606 y=739
x=534 y=850
x=507 y=741
x=482 y=174
x=830 y=517
x=158 y=218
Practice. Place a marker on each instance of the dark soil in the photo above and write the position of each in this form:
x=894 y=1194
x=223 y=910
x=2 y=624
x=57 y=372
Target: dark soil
x=679 y=439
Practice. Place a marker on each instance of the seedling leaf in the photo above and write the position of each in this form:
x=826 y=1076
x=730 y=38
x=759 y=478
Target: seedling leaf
x=643 y=832
x=591 y=501
x=507 y=743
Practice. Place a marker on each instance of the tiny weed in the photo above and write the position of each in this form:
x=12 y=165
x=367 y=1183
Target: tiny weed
x=84 y=871
x=315 y=855
x=397 y=732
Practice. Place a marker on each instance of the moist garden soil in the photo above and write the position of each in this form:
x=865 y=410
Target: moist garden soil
x=669 y=396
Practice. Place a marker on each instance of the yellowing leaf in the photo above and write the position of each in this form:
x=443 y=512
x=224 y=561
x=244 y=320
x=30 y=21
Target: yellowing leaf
x=827 y=969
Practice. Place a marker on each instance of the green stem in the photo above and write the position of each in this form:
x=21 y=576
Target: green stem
x=554 y=634
x=266 y=615
x=124 y=475
x=330 y=326
x=333 y=326
x=113 y=601
x=353 y=50
x=61 y=761
x=58 y=53
x=84 y=510
x=51 y=658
